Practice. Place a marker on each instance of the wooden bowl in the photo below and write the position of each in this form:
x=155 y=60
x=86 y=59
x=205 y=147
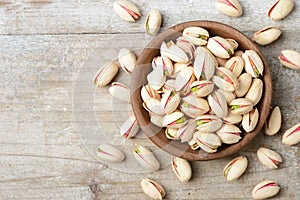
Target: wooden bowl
x=157 y=135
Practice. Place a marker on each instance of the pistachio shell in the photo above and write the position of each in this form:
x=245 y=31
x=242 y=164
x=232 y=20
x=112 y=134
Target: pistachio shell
x=165 y=63
x=197 y=35
x=273 y=123
x=147 y=92
x=169 y=85
x=230 y=8
x=156 y=78
x=236 y=65
x=152 y=189
x=156 y=119
x=218 y=104
x=127 y=60
x=174 y=52
x=235 y=168
x=153 y=22
x=204 y=64
x=154 y=106
x=250 y=120
x=265 y=189
x=129 y=128
x=229 y=134
x=184 y=80
x=110 y=153
x=120 y=91
x=245 y=81
x=170 y=101
x=182 y=169
x=146 y=158
x=225 y=79
x=253 y=63
x=234 y=43
x=229 y=96
x=126 y=10
x=280 y=9
x=208 y=123
x=232 y=118
x=106 y=74
x=220 y=47
x=241 y=106
x=177 y=67
x=290 y=59
x=292 y=135
x=171 y=133
x=255 y=91
x=194 y=106
x=193 y=144
x=208 y=142
x=186 y=133
x=266 y=35
x=269 y=158
x=174 y=120
x=202 y=88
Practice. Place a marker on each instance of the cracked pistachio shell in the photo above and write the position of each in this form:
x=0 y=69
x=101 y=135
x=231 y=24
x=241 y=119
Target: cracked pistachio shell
x=255 y=91
x=229 y=134
x=225 y=79
x=269 y=158
x=208 y=123
x=273 y=123
x=204 y=64
x=292 y=135
x=232 y=118
x=220 y=47
x=229 y=96
x=202 y=88
x=231 y=8
x=245 y=81
x=156 y=79
x=174 y=52
x=170 y=101
x=154 y=106
x=184 y=79
x=235 y=168
x=184 y=43
x=126 y=10
x=197 y=35
x=182 y=169
x=120 y=91
x=218 y=104
x=193 y=144
x=241 y=106
x=265 y=189
x=110 y=153
x=165 y=63
x=253 y=63
x=290 y=59
x=153 y=22
x=147 y=92
x=236 y=65
x=152 y=189
x=174 y=120
x=266 y=35
x=106 y=74
x=129 y=128
x=280 y=9
x=250 y=120
x=127 y=60
x=171 y=133
x=156 y=119
x=146 y=158
x=194 y=106
x=208 y=142
x=186 y=133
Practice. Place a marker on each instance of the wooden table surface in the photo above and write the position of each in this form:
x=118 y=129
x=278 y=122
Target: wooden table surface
x=43 y=47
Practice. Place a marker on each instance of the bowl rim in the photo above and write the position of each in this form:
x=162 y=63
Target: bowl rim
x=153 y=131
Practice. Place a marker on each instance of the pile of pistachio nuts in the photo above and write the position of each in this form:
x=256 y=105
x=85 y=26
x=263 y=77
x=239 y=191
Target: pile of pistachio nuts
x=185 y=96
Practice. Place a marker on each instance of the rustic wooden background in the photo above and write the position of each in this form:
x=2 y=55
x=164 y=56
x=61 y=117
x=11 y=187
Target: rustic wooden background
x=43 y=45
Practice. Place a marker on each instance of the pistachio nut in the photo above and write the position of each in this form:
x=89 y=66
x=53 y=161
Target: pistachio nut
x=273 y=123
x=126 y=10
x=290 y=59
x=234 y=43
x=193 y=144
x=208 y=123
x=197 y=35
x=152 y=189
x=110 y=153
x=208 y=142
x=241 y=106
x=253 y=63
x=218 y=104
x=177 y=67
x=129 y=128
x=292 y=135
x=204 y=64
x=106 y=74
x=229 y=96
x=174 y=120
x=185 y=43
x=182 y=169
x=202 y=88
x=230 y=8
x=186 y=133
x=220 y=47
x=266 y=35
x=146 y=158
x=184 y=79
x=225 y=79
x=154 y=106
x=245 y=81
x=127 y=60
x=229 y=134
x=255 y=91
x=269 y=158
x=174 y=52
x=232 y=118
x=235 y=168
x=265 y=189
x=169 y=85
x=194 y=106
x=147 y=92
x=280 y=9
x=153 y=22
x=165 y=63
x=156 y=78
x=156 y=119
x=250 y=120
x=236 y=65
x=170 y=101
x=120 y=91
x=171 y=133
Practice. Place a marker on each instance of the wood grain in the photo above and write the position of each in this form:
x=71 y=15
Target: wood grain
x=43 y=46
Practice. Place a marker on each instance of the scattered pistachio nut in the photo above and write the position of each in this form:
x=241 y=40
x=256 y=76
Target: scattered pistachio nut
x=265 y=189
x=290 y=59
x=269 y=158
x=292 y=135
x=280 y=9
x=127 y=60
x=153 y=22
x=273 y=123
x=129 y=128
x=106 y=74
x=250 y=120
x=266 y=35
x=110 y=153
x=152 y=189
x=146 y=158
x=182 y=169
x=235 y=168
x=230 y=8
x=120 y=91
x=126 y=10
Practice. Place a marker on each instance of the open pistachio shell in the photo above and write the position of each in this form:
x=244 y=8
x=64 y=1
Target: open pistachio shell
x=273 y=123
x=220 y=47
x=241 y=106
x=182 y=169
x=153 y=22
x=194 y=106
x=127 y=10
x=146 y=158
x=245 y=81
x=170 y=101
x=269 y=158
x=236 y=65
x=218 y=104
x=229 y=134
x=266 y=35
x=255 y=91
x=174 y=120
x=290 y=59
x=152 y=189
x=280 y=9
x=129 y=128
x=235 y=168
x=265 y=189
x=120 y=91
x=202 y=88
x=106 y=74
x=208 y=142
x=230 y=8
x=204 y=64
x=250 y=120
x=197 y=35
x=225 y=79
x=253 y=63
x=110 y=153
x=208 y=123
